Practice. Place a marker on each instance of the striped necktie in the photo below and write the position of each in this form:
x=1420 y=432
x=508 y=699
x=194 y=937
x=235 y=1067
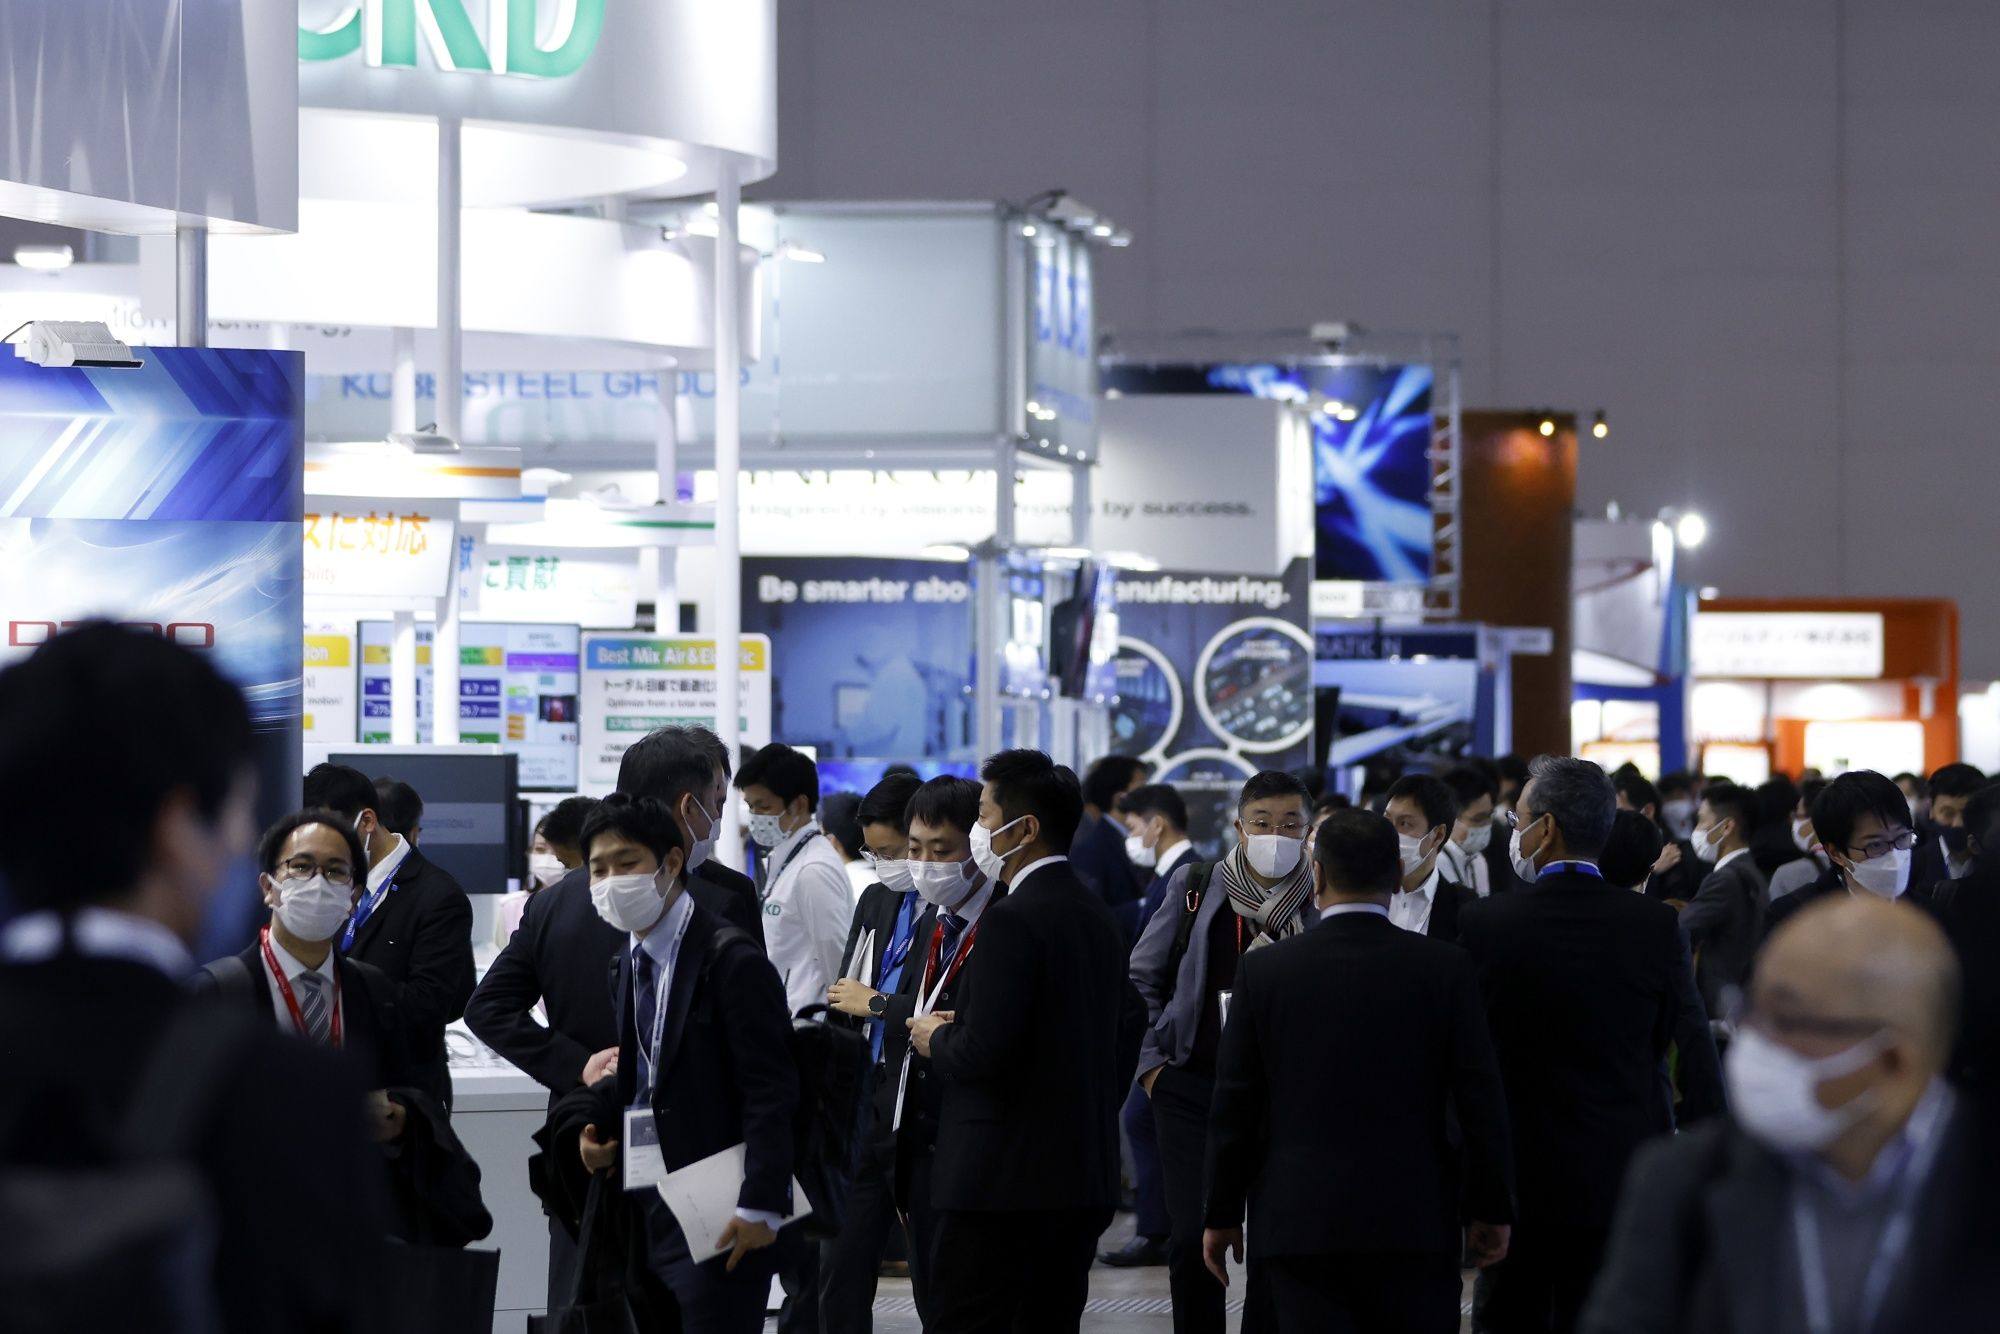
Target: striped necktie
x=312 y=1005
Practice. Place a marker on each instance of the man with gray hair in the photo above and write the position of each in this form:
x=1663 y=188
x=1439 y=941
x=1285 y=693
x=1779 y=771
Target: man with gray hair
x=1579 y=983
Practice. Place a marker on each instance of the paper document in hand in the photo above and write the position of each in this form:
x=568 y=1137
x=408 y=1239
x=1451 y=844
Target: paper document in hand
x=703 y=1195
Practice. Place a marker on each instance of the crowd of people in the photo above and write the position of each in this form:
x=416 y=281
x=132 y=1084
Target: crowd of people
x=1685 y=1056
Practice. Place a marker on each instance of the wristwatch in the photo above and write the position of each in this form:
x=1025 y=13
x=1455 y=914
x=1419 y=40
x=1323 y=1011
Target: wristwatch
x=878 y=1005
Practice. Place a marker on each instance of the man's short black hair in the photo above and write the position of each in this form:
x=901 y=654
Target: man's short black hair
x=670 y=762
x=1730 y=802
x=840 y=818
x=336 y=787
x=1776 y=796
x=1469 y=785
x=1433 y=797
x=1272 y=783
x=1513 y=769
x=1676 y=783
x=1956 y=780
x=1028 y=782
x=1108 y=777
x=1638 y=793
x=99 y=727
x=948 y=800
x=1629 y=854
x=1847 y=798
x=1359 y=852
x=1809 y=791
x=398 y=806
x=1982 y=820
x=272 y=845
x=1331 y=801
x=564 y=824
x=642 y=820
x=1577 y=795
x=1159 y=799
x=786 y=772
x=888 y=802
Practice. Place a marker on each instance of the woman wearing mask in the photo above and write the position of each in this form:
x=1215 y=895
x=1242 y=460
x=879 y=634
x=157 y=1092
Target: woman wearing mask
x=552 y=854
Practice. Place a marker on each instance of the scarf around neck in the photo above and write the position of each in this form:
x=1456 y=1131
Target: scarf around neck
x=1275 y=910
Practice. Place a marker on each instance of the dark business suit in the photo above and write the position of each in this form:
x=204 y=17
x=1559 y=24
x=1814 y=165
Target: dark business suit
x=1831 y=882
x=1355 y=1202
x=1025 y=1176
x=1969 y=907
x=1725 y=923
x=1581 y=998
x=371 y=1039
x=1097 y=857
x=724 y=1077
x=1704 y=1242
x=556 y=957
x=848 y=1263
x=1447 y=902
x=421 y=936
x=284 y=1126
x=1500 y=877
x=1771 y=846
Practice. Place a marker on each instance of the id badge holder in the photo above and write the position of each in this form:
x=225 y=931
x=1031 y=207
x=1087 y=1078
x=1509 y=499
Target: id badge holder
x=1222 y=1001
x=643 y=1166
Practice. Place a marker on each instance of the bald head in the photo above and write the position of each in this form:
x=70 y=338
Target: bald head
x=1863 y=962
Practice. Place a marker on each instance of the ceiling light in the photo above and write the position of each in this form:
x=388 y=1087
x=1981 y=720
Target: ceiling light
x=1028 y=229
x=801 y=254
x=1348 y=414
x=1709 y=592
x=44 y=258
x=1120 y=238
x=1600 y=427
x=1103 y=231
x=1548 y=426
x=1690 y=530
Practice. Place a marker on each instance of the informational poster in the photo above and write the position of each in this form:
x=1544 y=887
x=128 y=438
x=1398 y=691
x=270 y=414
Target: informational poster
x=330 y=715
x=166 y=497
x=1214 y=682
x=595 y=589
x=400 y=552
x=517 y=687
x=634 y=684
x=878 y=654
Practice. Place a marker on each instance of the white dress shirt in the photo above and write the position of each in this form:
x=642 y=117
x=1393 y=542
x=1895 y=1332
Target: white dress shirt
x=1342 y=909
x=1020 y=877
x=1729 y=857
x=292 y=968
x=807 y=911
x=385 y=870
x=1167 y=865
x=1411 y=909
x=1470 y=869
x=99 y=933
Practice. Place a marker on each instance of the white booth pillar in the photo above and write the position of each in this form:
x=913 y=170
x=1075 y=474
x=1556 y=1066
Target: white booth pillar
x=450 y=410
x=666 y=465
x=728 y=459
x=191 y=286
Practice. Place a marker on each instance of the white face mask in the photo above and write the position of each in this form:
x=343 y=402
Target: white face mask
x=1773 y=1091
x=630 y=903
x=1706 y=846
x=704 y=845
x=893 y=872
x=1413 y=851
x=1802 y=835
x=545 y=868
x=1139 y=854
x=1273 y=856
x=1679 y=815
x=1887 y=875
x=1524 y=865
x=946 y=884
x=992 y=864
x=766 y=832
x=314 y=909
x=1477 y=837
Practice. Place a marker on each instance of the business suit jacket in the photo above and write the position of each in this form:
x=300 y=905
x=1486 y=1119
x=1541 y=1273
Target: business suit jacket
x=1447 y=902
x=1704 y=1231
x=1771 y=846
x=1831 y=881
x=421 y=936
x=725 y=1068
x=1040 y=1057
x=1725 y=923
x=1579 y=982
x=371 y=1037
x=558 y=956
x=284 y=1126
x=1499 y=866
x=1970 y=910
x=1097 y=856
x=1356 y=1003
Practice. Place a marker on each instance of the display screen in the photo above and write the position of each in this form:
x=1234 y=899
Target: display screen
x=517 y=688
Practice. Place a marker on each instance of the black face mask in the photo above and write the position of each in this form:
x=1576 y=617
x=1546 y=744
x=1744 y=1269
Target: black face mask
x=1955 y=839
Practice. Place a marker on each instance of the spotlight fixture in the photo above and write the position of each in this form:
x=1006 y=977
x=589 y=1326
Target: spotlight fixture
x=1690 y=529
x=44 y=258
x=1058 y=210
x=1599 y=427
x=1548 y=426
x=72 y=343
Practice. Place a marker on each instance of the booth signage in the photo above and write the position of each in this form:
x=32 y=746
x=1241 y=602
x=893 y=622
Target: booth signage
x=1804 y=644
x=598 y=589
x=635 y=684
x=389 y=553
x=386 y=33
x=329 y=684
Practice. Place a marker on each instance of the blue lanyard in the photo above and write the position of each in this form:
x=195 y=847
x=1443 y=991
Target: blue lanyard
x=363 y=913
x=1581 y=868
x=899 y=945
x=1889 y=1249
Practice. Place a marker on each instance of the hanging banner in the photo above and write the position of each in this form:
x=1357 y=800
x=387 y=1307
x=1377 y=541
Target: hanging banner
x=387 y=552
x=596 y=589
x=634 y=684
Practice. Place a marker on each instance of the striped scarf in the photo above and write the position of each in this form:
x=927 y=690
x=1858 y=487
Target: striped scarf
x=1275 y=910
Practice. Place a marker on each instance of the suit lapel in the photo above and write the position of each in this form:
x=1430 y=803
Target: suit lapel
x=680 y=989
x=259 y=992
x=1745 y=1216
x=405 y=874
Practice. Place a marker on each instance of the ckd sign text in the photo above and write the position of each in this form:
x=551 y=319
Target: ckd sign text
x=539 y=39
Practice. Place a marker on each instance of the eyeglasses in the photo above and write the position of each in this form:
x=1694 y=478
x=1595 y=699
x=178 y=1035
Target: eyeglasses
x=1515 y=820
x=1289 y=828
x=1882 y=847
x=305 y=868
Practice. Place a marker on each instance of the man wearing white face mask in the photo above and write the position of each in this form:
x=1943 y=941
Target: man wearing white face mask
x=1726 y=917
x=1474 y=858
x=808 y=905
x=1794 y=875
x=1863 y=824
x=1851 y=1189
x=1423 y=811
x=1184 y=967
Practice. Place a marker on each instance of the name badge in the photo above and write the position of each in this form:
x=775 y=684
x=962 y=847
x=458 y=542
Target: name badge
x=1222 y=1000
x=644 y=1167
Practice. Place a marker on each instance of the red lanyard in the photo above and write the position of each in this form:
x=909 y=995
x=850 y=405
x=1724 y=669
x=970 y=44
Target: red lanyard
x=958 y=962
x=292 y=1001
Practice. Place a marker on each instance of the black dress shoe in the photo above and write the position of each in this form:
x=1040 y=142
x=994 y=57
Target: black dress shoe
x=1138 y=1253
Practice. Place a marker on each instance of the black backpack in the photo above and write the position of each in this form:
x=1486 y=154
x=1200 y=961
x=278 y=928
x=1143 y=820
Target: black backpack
x=832 y=1064
x=129 y=1243
x=1197 y=889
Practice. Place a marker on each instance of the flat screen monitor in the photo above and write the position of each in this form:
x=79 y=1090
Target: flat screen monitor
x=472 y=822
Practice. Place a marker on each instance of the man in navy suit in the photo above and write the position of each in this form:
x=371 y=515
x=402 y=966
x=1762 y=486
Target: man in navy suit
x=704 y=1064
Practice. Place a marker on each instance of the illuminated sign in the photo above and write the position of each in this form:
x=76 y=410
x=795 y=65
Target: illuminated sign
x=389 y=33
x=1824 y=644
